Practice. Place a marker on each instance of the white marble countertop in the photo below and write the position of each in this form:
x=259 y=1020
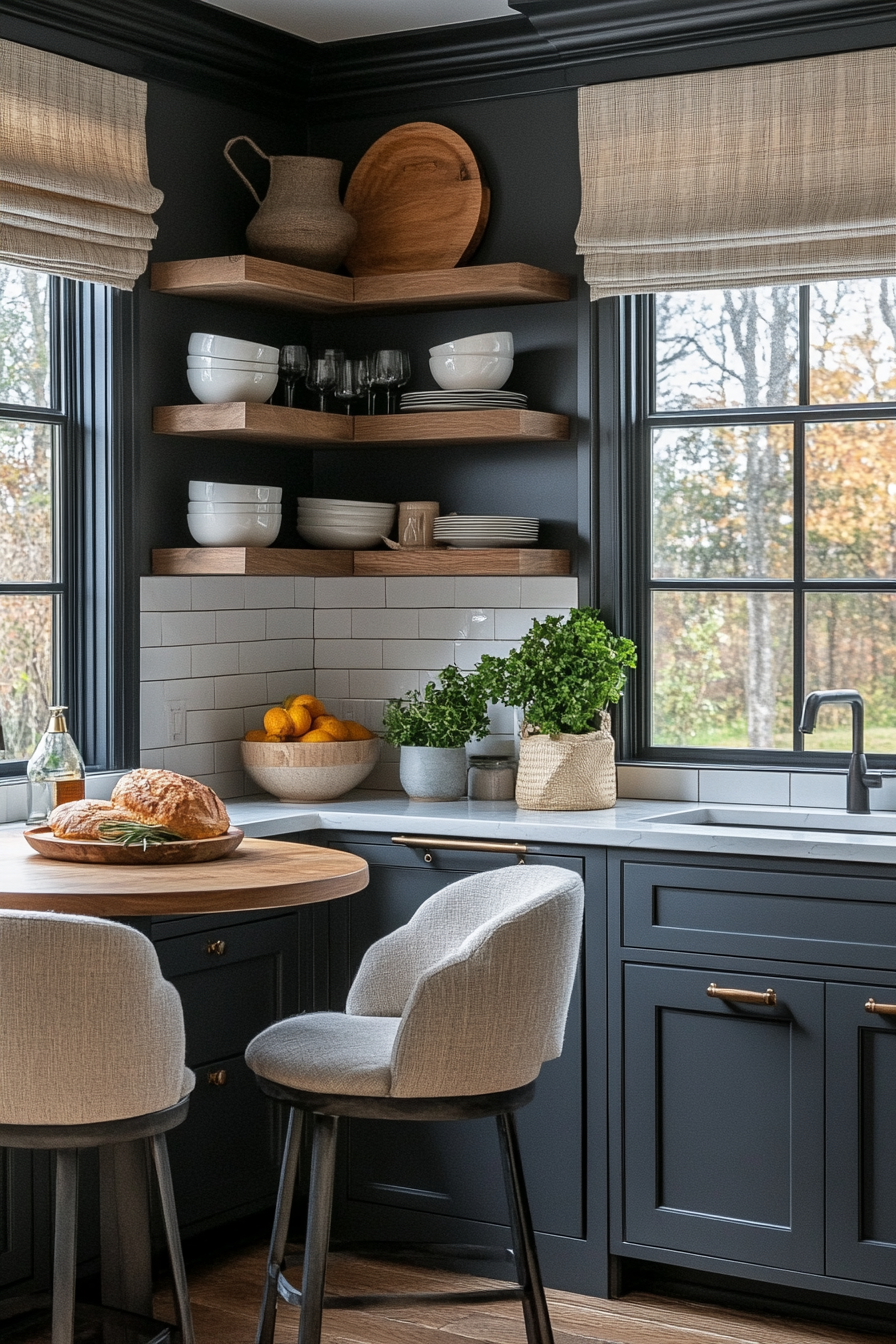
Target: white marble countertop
x=806 y=832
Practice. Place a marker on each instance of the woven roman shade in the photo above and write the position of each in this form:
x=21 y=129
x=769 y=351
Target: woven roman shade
x=75 y=194
x=766 y=174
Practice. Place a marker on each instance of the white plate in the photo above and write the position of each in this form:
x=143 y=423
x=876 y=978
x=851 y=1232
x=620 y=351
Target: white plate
x=488 y=543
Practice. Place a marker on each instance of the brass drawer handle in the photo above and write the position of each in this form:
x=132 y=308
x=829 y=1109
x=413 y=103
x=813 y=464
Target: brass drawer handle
x=217 y=948
x=473 y=846
x=769 y=998
x=217 y=1077
x=885 y=1009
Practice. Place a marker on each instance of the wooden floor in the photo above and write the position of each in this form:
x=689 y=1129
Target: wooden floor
x=226 y=1289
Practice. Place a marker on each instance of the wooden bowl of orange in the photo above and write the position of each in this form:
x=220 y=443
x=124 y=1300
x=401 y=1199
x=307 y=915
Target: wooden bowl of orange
x=303 y=754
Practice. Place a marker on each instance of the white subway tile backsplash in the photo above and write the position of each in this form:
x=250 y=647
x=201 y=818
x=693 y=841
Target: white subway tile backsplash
x=330 y=683
x=654 y=781
x=420 y=593
x=188 y=627
x=15 y=797
x=334 y=623
x=296 y=681
x=348 y=653
x=502 y=720
x=165 y=594
x=153 y=760
x=304 y=592
x=818 y=790
x=457 y=623
x=350 y=592
x=273 y=591
x=289 y=623
x=231 y=784
x=232 y=627
x=368 y=712
x=276 y=655
x=771 y=787
x=163 y=664
x=549 y=592
x=467 y=652
x=214 y=725
x=217 y=592
x=215 y=660
x=417 y=653
x=153 y=719
x=227 y=757
x=386 y=623
x=384 y=776
x=482 y=592
x=150 y=629
x=235 y=692
x=514 y=624
x=253 y=715
x=196 y=692
x=369 y=684
x=195 y=760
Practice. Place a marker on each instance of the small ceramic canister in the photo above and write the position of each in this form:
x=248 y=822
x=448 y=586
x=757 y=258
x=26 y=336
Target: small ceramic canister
x=415 y=523
x=491 y=778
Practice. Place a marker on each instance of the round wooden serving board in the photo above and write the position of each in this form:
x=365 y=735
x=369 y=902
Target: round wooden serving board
x=260 y=875
x=52 y=846
x=420 y=201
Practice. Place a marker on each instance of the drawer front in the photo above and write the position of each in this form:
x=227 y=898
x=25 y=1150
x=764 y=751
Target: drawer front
x=843 y=921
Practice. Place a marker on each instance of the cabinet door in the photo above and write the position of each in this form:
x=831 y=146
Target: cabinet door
x=16 y=1216
x=233 y=981
x=861 y=1171
x=453 y=1168
x=723 y=1127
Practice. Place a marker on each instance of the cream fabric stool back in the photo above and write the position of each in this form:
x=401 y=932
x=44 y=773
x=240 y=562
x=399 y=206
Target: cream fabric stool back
x=449 y=1017
x=91 y=1054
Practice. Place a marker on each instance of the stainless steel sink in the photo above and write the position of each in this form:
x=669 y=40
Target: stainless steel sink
x=781 y=819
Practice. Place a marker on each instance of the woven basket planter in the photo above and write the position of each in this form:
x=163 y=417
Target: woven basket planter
x=567 y=772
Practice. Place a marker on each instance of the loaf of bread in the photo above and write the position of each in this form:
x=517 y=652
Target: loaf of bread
x=80 y=820
x=181 y=804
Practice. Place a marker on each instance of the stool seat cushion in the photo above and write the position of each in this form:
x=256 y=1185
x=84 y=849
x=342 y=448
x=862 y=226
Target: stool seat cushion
x=327 y=1052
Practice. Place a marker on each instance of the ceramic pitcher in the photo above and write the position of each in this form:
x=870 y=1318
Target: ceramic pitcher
x=301 y=219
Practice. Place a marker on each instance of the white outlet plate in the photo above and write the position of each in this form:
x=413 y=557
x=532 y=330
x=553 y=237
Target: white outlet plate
x=175 y=723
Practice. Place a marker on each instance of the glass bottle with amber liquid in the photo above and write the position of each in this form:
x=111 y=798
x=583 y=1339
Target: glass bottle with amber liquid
x=55 y=770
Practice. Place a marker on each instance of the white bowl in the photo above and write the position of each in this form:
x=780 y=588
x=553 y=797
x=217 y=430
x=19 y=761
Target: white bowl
x=234 y=529
x=489 y=343
x=234 y=494
x=216 y=385
x=228 y=347
x=214 y=362
x=467 y=373
x=313 y=502
x=349 y=515
x=357 y=537
x=309 y=771
x=213 y=508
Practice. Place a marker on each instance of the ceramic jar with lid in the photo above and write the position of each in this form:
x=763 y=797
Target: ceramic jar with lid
x=491 y=778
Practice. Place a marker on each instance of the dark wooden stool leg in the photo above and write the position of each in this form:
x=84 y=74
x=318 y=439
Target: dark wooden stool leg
x=65 y=1245
x=288 y=1170
x=125 y=1250
x=172 y=1235
x=535 y=1308
x=317 y=1235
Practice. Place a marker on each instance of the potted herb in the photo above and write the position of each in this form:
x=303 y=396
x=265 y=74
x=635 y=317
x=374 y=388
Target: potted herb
x=432 y=731
x=564 y=674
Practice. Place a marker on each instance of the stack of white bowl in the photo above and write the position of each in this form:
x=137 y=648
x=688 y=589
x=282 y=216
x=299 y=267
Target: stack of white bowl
x=221 y=368
x=234 y=515
x=344 y=524
x=473 y=363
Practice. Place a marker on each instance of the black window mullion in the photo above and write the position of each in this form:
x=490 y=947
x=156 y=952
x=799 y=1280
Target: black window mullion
x=799 y=570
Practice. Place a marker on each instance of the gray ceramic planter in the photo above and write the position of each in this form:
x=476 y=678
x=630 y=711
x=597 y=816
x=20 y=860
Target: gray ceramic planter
x=433 y=774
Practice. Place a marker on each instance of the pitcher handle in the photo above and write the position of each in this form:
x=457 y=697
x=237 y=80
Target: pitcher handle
x=260 y=152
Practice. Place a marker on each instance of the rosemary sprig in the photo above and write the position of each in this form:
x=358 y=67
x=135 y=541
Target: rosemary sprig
x=136 y=833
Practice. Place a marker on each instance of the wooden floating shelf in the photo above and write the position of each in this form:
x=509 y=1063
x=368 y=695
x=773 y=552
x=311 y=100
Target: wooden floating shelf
x=322 y=564
x=267 y=284
x=258 y=422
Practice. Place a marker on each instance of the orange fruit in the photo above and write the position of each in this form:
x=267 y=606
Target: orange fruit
x=335 y=727
x=278 y=722
x=314 y=706
x=301 y=719
x=357 y=732
x=317 y=735
x=256 y=735
x=273 y=737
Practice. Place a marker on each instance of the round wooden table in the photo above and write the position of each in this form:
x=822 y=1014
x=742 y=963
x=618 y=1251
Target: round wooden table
x=260 y=875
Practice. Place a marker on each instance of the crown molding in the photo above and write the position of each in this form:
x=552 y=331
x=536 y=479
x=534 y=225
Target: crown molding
x=176 y=41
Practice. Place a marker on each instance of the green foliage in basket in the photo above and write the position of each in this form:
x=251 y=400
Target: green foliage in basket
x=564 y=673
x=448 y=715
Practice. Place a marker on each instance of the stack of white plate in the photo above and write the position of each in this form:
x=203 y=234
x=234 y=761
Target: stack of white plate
x=344 y=524
x=474 y=530
x=221 y=368
x=463 y=401
x=233 y=515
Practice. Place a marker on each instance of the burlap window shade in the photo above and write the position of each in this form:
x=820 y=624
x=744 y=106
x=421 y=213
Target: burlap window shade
x=767 y=174
x=75 y=194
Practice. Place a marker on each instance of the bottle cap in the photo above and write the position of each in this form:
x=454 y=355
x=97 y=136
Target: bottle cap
x=57 y=719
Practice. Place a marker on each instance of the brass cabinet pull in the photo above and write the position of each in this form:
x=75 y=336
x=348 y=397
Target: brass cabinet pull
x=476 y=846
x=769 y=998
x=217 y=1077
x=216 y=948
x=885 y=1009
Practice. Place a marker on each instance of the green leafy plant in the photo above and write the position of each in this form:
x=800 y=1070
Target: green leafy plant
x=448 y=715
x=137 y=833
x=564 y=673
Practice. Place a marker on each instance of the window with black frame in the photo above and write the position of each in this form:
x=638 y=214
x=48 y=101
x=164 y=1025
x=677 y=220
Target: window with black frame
x=767 y=445
x=32 y=437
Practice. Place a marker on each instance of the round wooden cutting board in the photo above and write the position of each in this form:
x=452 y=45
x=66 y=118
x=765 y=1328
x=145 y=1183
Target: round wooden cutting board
x=52 y=846
x=420 y=201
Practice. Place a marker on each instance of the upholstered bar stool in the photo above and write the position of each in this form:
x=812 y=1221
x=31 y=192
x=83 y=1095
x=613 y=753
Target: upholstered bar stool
x=91 y=1053
x=449 y=1018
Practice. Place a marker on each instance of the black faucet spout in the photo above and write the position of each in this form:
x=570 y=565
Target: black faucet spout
x=858 y=778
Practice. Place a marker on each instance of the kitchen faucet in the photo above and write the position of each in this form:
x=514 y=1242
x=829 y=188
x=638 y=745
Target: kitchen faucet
x=858 y=780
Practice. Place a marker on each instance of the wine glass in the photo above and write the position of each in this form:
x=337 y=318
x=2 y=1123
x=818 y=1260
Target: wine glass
x=348 y=385
x=321 y=377
x=365 y=380
x=405 y=369
x=293 y=366
x=387 y=370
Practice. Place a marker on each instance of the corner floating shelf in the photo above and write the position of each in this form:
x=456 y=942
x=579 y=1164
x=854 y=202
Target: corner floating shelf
x=268 y=284
x=314 y=563
x=258 y=422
